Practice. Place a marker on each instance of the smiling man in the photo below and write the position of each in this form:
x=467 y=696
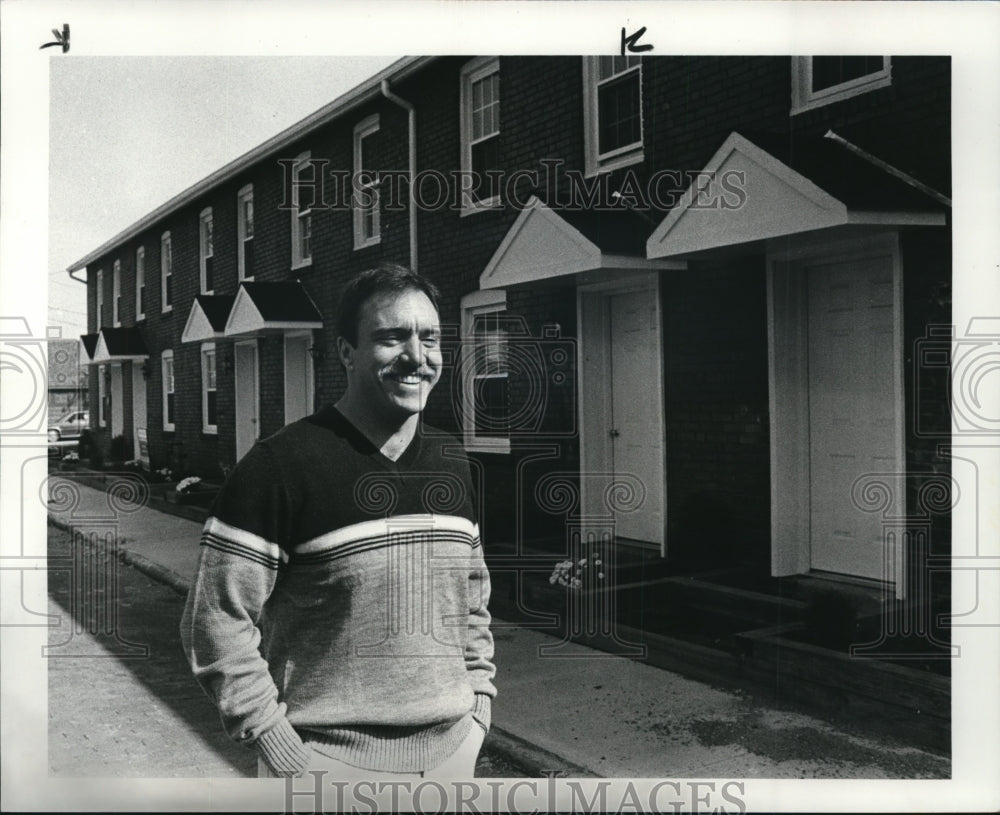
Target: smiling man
x=338 y=618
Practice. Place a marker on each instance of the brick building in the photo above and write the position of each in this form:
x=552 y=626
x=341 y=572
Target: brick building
x=686 y=296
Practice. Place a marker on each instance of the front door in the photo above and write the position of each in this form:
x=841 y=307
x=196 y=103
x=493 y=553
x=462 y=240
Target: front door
x=635 y=421
x=117 y=401
x=853 y=401
x=298 y=377
x=138 y=407
x=247 y=398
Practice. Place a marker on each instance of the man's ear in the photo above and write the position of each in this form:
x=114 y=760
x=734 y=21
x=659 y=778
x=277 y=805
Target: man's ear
x=346 y=353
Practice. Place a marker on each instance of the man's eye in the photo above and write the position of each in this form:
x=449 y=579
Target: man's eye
x=431 y=341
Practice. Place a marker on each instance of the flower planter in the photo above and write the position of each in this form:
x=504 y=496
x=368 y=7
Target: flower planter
x=202 y=496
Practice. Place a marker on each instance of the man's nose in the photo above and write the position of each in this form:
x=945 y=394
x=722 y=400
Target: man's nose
x=413 y=350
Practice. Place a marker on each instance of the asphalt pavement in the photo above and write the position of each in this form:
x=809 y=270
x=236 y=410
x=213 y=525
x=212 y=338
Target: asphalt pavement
x=567 y=709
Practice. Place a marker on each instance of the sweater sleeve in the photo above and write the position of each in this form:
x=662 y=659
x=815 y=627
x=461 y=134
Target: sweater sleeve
x=242 y=549
x=479 y=645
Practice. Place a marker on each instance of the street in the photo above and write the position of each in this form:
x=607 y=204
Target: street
x=122 y=701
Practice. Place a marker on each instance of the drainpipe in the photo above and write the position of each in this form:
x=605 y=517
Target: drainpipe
x=412 y=120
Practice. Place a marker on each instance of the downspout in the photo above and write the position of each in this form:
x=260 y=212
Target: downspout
x=412 y=121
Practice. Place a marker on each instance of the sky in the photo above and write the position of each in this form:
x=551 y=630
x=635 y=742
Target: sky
x=128 y=133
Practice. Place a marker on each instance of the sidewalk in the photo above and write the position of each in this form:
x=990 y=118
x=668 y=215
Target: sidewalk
x=591 y=713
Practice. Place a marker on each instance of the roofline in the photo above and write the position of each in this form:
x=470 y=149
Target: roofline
x=368 y=90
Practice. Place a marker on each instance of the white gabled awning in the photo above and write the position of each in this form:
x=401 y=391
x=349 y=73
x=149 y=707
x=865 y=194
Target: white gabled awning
x=119 y=345
x=543 y=244
x=746 y=194
x=271 y=308
x=207 y=318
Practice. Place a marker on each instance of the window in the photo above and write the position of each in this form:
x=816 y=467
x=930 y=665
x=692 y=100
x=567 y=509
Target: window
x=484 y=377
x=116 y=293
x=102 y=396
x=99 y=308
x=367 y=230
x=169 y=398
x=479 y=115
x=209 y=417
x=140 y=283
x=166 y=271
x=205 y=250
x=244 y=232
x=303 y=194
x=612 y=105
x=818 y=81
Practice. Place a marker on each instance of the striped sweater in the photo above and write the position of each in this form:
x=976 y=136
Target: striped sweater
x=340 y=603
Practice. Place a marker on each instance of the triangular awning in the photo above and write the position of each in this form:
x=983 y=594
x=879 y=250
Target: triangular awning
x=119 y=345
x=269 y=308
x=89 y=343
x=746 y=193
x=208 y=316
x=543 y=244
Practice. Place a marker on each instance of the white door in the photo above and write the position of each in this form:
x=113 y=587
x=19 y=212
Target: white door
x=138 y=406
x=853 y=398
x=298 y=378
x=247 y=398
x=117 y=401
x=636 y=424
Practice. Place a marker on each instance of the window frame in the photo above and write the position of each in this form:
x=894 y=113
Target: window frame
x=298 y=258
x=805 y=98
x=595 y=161
x=166 y=272
x=99 y=298
x=474 y=305
x=167 y=363
x=242 y=197
x=116 y=293
x=208 y=351
x=472 y=72
x=367 y=127
x=206 y=250
x=140 y=283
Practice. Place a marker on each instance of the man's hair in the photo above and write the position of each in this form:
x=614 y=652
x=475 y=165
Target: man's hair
x=386 y=278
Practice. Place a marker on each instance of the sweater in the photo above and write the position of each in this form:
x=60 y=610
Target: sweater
x=341 y=600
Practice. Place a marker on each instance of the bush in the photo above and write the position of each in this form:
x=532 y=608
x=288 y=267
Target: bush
x=85 y=447
x=118 y=448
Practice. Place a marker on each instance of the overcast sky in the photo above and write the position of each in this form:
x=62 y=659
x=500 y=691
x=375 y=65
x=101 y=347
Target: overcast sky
x=128 y=133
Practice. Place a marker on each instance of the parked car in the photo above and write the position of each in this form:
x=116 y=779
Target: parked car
x=69 y=426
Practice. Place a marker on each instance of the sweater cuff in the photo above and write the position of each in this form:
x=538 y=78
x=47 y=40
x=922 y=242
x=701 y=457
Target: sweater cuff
x=283 y=750
x=482 y=711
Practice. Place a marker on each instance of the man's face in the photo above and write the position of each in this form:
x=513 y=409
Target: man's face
x=398 y=357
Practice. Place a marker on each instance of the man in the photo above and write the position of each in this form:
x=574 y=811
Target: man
x=338 y=617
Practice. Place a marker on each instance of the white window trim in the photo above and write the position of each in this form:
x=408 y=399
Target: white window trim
x=804 y=98
x=203 y=256
x=116 y=293
x=166 y=271
x=245 y=194
x=140 y=282
x=364 y=129
x=206 y=349
x=297 y=260
x=472 y=72
x=99 y=305
x=102 y=419
x=596 y=163
x=490 y=301
x=168 y=355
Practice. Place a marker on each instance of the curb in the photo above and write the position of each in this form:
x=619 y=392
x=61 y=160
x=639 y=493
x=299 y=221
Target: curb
x=536 y=761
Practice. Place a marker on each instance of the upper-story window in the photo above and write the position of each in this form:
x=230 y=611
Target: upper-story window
x=244 y=232
x=166 y=271
x=303 y=195
x=206 y=252
x=818 y=81
x=479 y=117
x=116 y=293
x=140 y=283
x=99 y=306
x=612 y=108
x=367 y=227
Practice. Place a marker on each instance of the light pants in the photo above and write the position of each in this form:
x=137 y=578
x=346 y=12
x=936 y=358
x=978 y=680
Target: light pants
x=459 y=765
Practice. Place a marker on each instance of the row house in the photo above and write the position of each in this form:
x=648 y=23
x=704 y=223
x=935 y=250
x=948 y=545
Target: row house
x=703 y=298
